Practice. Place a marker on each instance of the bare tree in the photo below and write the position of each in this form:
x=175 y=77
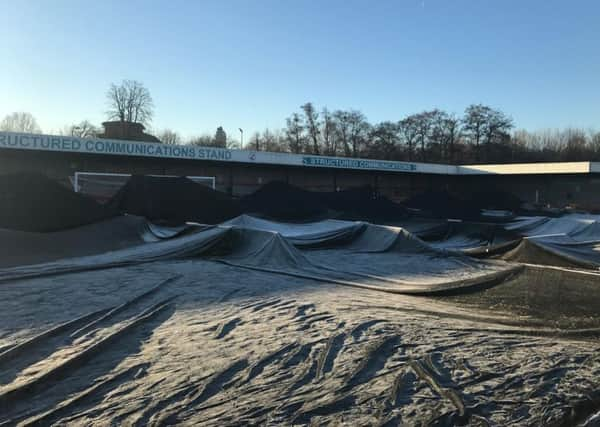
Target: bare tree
x=84 y=129
x=595 y=143
x=342 y=130
x=202 y=141
x=485 y=124
x=257 y=141
x=424 y=124
x=437 y=141
x=475 y=124
x=409 y=132
x=220 y=137
x=359 y=129
x=271 y=141
x=206 y=140
x=451 y=135
x=293 y=133
x=445 y=132
x=311 y=119
x=385 y=140
x=414 y=129
x=498 y=125
x=20 y=122
x=576 y=147
x=475 y=121
x=328 y=132
x=233 y=144
x=169 y=136
x=254 y=142
x=130 y=101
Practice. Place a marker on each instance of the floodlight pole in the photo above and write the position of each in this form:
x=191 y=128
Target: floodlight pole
x=241 y=137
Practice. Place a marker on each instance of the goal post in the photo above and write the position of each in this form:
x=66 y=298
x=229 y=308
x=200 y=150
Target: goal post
x=103 y=185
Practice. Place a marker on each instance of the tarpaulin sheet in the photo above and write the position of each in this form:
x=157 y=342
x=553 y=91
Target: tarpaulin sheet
x=384 y=258
x=477 y=239
x=185 y=246
x=570 y=240
x=318 y=233
x=379 y=257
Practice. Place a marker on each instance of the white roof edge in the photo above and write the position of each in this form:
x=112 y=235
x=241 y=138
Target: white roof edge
x=530 y=168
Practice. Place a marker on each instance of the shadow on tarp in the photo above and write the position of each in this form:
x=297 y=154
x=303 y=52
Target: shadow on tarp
x=22 y=247
x=189 y=245
x=18 y=248
x=538 y=251
x=93 y=376
x=473 y=238
x=545 y=296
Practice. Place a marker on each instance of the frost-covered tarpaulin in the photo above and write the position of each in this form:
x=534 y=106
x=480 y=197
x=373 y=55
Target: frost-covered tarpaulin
x=475 y=239
x=571 y=240
x=152 y=247
x=23 y=248
x=359 y=254
x=237 y=324
x=311 y=234
x=380 y=258
x=468 y=238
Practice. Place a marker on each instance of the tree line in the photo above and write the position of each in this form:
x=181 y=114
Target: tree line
x=428 y=136
x=482 y=134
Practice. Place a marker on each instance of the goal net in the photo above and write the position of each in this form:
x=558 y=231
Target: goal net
x=102 y=186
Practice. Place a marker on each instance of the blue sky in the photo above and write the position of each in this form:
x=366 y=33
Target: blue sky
x=250 y=64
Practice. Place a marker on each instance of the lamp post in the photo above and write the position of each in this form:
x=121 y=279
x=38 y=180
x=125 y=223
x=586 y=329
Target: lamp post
x=241 y=137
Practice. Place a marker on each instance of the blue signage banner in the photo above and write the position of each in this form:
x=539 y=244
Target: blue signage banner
x=337 y=162
x=106 y=146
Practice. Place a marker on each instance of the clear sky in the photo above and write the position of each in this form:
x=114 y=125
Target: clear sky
x=250 y=64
